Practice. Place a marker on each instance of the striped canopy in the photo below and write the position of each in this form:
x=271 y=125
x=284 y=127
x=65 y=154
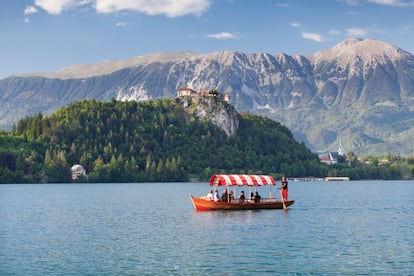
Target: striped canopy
x=241 y=180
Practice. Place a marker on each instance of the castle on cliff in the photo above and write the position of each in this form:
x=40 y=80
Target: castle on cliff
x=185 y=91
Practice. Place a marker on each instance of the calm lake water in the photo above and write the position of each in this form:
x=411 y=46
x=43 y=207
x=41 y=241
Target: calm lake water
x=346 y=228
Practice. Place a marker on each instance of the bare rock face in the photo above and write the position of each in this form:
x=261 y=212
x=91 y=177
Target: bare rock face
x=212 y=108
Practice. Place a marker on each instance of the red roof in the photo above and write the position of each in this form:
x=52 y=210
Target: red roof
x=241 y=180
x=325 y=158
x=203 y=92
x=186 y=89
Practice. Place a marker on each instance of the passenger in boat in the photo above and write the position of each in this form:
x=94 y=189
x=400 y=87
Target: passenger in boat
x=224 y=196
x=257 y=197
x=251 y=198
x=216 y=196
x=210 y=195
x=231 y=196
x=242 y=198
x=284 y=188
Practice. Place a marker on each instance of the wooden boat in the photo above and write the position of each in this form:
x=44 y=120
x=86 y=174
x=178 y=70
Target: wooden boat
x=232 y=180
x=210 y=205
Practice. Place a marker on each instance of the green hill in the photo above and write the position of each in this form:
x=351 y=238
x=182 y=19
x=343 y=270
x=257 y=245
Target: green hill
x=159 y=140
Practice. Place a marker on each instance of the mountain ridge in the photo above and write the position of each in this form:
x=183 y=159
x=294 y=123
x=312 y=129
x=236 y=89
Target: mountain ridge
x=361 y=91
x=374 y=48
x=80 y=71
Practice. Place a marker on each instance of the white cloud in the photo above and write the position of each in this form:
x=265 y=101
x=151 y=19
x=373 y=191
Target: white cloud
x=121 y=24
x=170 y=8
x=30 y=10
x=313 y=36
x=350 y=2
x=357 y=32
x=396 y=3
x=405 y=29
x=335 y=32
x=295 y=24
x=58 y=6
x=223 y=35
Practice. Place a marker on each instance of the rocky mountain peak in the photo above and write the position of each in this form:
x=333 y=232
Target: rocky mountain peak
x=225 y=58
x=356 y=51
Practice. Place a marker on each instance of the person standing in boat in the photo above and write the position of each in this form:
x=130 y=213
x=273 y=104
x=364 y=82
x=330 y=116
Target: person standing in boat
x=284 y=188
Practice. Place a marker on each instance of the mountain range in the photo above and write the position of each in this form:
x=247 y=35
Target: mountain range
x=359 y=93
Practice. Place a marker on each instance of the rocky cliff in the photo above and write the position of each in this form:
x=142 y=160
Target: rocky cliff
x=212 y=108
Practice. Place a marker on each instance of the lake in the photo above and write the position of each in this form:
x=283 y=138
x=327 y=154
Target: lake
x=345 y=228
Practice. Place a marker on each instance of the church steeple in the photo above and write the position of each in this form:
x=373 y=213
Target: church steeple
x=340 y=151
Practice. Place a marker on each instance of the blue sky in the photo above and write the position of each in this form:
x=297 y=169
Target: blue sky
x=47 y=35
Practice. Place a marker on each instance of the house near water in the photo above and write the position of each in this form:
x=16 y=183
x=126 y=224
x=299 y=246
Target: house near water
x=77 y=170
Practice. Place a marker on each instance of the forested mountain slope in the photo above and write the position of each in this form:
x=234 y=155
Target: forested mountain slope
x=160 y=140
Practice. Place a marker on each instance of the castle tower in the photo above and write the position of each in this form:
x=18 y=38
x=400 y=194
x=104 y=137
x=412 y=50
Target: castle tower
x=227 y=97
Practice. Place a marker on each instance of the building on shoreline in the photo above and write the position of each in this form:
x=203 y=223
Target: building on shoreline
x=332 y=156
x=76 y=171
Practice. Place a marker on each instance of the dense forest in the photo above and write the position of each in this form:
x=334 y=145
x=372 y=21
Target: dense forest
x=147 y=141
x=156 y=141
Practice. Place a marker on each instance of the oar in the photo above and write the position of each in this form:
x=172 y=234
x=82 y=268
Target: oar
x=283 y=201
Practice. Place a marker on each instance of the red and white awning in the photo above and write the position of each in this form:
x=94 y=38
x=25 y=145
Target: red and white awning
x=241 y=180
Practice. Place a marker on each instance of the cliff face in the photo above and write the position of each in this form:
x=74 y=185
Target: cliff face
x=212 y=108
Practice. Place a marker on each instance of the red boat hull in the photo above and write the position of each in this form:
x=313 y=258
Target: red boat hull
x=209 y=205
